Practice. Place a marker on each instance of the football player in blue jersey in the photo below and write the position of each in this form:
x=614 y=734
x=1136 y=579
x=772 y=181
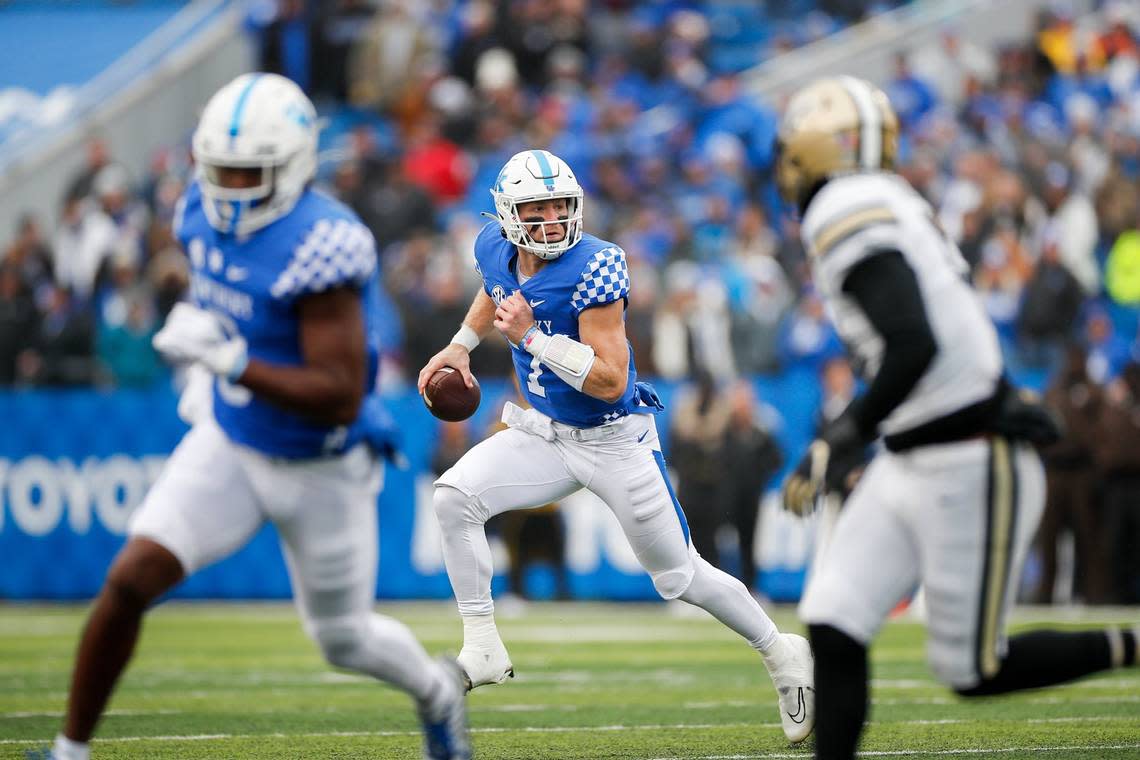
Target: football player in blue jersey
x=558 y=295
x=281 y=278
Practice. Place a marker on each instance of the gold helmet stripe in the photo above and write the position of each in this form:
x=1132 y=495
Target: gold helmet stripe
x=870 y=123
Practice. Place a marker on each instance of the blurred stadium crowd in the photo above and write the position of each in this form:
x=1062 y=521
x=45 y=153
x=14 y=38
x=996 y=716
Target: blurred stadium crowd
x=1029 y=155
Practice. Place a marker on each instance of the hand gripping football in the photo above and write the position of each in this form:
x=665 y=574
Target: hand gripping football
x=448 y=397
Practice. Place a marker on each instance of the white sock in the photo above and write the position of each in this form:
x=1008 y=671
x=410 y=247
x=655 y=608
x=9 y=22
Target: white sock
x=776 y=653
x=466 y=553
x=726 y=599
x=769 y=642
x=66 y=749
x=480 y=632
x=390 y=652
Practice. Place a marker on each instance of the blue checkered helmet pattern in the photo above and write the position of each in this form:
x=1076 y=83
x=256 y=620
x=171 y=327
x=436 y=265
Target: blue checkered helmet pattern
x=333 y=253
x=605 y=279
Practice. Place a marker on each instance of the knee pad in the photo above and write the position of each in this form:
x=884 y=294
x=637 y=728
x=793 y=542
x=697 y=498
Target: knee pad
x=340 y=640
x=670 y=584
x=954 y=672
x=453 y=507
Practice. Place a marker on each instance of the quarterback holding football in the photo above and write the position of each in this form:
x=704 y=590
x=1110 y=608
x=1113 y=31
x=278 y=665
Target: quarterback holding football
x=558 y=296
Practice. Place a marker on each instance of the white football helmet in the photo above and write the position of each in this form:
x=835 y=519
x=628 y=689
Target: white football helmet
x=257 y=121
x=534 y=175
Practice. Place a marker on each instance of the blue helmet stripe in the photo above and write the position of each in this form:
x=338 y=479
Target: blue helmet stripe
x=545 y=168
x=239 y=107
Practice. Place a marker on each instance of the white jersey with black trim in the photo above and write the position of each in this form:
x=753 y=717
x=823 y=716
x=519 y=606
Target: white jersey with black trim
x=857 y=216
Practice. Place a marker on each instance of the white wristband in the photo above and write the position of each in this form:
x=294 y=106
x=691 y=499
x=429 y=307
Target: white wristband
x=466 y=337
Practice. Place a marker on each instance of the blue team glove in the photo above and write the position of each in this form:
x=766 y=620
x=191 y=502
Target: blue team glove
x=381 y=432
x=646 y=395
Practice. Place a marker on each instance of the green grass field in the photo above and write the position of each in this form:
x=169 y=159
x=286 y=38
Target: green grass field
x=594 y=681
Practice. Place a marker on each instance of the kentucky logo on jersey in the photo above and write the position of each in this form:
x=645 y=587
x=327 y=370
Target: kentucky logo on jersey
x=592 y=273
x=253 y=285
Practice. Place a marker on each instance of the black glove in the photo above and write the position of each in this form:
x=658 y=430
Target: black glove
x=1022 y=417
x=830 y=458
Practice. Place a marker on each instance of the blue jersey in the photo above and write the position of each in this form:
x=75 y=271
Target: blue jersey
x=253 y=285
x=592 y=273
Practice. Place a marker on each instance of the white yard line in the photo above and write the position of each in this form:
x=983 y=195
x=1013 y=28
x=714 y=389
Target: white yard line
x=610 y=729
x=518 y=708
x=1095 y=683
x=1088 y=701
x=487 y=730
x=1123 y=698
x=708 y=705
x=111 y=713
x=921 y=752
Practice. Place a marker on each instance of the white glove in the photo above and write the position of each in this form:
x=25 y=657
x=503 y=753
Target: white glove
x=197 y=400
x=195 y=335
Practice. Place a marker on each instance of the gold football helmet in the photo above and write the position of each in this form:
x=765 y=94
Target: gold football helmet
x=833 y=126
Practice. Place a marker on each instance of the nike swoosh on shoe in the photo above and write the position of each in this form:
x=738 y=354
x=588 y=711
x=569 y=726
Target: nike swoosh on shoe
x=801 y=709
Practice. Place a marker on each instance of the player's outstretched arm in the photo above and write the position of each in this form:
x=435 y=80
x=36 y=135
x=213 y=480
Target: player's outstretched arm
x=457 y=353
x=329 y=387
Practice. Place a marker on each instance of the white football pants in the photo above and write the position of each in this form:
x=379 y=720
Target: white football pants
x=536 y=461
x=213 y=495
x=958 y=518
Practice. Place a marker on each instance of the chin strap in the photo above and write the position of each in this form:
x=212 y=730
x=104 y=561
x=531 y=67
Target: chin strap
x=502 y=231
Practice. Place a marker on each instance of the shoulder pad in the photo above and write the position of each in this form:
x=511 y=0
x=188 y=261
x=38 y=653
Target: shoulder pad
x=331 y=253
x=843 y=208
x=487 y=244
x=603 y=279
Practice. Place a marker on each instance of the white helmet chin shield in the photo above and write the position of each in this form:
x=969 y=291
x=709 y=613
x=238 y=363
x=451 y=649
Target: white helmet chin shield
x=261 y=122
x=535 y=175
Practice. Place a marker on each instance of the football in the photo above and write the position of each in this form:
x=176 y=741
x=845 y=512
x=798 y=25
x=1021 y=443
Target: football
x=448 y=397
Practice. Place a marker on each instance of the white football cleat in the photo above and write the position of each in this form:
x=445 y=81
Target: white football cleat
x=488 y=663
x=792 y=667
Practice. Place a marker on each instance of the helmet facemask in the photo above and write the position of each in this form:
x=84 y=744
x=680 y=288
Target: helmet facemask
x=228 y=205
x=519 y=231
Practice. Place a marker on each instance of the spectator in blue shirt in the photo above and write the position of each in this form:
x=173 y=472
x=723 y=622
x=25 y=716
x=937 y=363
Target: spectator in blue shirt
x=1108 y=352
x=911 y=97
